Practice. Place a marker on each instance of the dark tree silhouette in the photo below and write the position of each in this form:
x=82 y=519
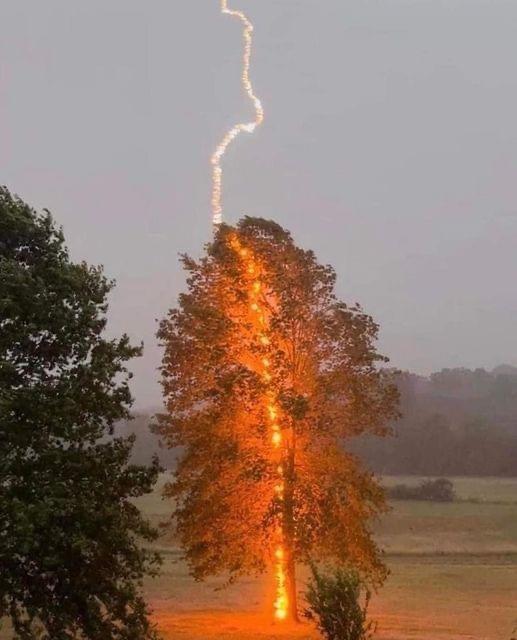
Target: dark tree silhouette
x=70 y=556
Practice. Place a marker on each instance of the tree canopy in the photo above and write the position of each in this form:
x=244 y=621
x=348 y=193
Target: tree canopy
x=70 y=556
x=256 y=300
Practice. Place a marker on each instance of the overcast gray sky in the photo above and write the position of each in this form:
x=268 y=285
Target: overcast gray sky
x=389 y=147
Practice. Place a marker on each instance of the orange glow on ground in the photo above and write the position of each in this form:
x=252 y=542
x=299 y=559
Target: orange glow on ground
x=229 y=625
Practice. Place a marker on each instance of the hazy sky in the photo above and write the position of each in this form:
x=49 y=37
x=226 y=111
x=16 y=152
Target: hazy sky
x=389 y=147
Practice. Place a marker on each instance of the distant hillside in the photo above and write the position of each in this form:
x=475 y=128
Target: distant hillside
x=455 y=422
x=505 y=369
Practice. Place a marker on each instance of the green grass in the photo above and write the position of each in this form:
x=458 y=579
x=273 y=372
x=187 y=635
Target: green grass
x=437 y=528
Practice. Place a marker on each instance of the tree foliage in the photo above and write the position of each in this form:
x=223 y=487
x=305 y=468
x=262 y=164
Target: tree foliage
x=338 y=602
x=70 y=556
x=326 y=380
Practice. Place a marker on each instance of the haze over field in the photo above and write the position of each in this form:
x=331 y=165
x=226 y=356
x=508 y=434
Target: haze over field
x=389 y=147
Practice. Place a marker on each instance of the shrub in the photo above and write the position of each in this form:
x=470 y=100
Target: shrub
x=338 y=603
x=439 y=490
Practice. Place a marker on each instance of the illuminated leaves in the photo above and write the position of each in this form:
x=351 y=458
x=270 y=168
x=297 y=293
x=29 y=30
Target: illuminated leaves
x=260 y=332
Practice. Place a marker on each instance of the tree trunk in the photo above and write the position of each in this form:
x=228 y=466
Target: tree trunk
x=291 y=587
x=289 y=539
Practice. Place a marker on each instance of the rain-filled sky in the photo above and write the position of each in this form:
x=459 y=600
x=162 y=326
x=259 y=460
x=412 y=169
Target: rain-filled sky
x=389 y=147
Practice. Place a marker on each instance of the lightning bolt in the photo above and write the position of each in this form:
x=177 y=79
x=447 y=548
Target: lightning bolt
x=260 y=320
x=248 y=127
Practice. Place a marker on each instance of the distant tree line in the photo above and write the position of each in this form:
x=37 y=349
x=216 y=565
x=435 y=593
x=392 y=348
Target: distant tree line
x=454 y=422
x=437 y=490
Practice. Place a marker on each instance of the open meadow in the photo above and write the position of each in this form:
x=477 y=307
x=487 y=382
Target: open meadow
x=453 y=575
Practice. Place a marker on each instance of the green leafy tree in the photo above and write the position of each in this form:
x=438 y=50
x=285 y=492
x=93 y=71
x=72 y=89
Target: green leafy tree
x=324 y=381
x=71 y=564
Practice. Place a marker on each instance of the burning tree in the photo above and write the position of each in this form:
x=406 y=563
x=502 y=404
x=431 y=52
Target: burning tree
x=266 y=374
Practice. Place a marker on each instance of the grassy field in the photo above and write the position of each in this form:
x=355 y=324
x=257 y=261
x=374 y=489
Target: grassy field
x=453 y=576
x=439 y=598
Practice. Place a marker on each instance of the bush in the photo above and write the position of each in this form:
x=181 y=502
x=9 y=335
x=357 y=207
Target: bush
x=338 y=603
x=439 y=490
